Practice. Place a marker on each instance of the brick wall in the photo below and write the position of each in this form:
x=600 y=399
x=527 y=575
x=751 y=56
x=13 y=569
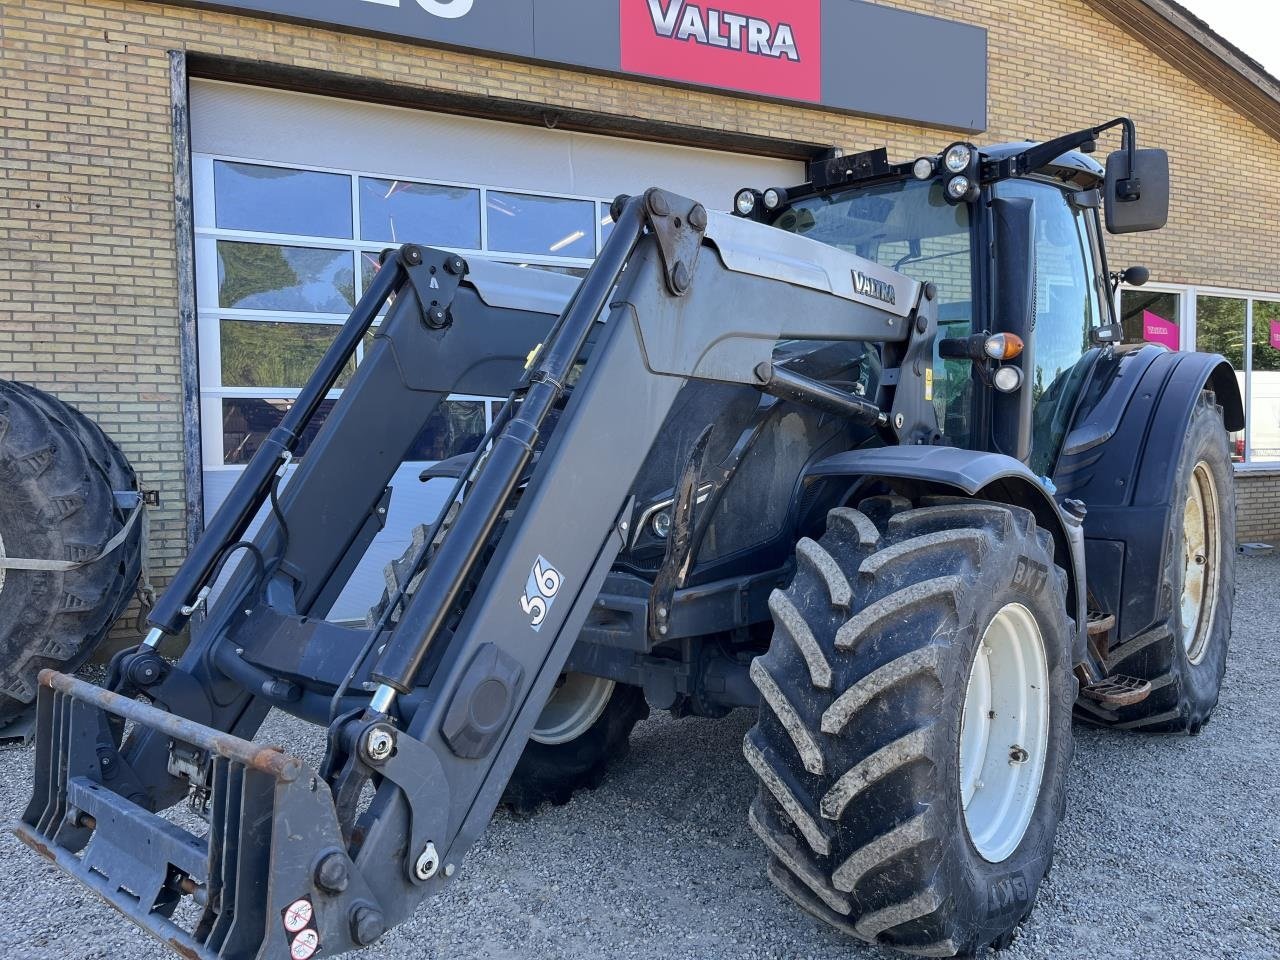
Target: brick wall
x=87 y=272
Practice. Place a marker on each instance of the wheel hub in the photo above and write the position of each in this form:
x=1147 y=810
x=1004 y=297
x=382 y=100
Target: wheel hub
x=575 y=704
x=1004 y=733
x=1201 y=545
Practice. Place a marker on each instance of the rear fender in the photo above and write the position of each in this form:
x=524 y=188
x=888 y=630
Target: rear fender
x=977 y=474
x=1121 y=458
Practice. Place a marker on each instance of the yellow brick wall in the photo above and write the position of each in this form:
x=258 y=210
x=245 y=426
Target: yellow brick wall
x=87 y=265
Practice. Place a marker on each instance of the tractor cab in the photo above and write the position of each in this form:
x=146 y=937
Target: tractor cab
x=1011 y=238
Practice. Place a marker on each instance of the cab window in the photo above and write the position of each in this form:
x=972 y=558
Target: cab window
x=1067 y=307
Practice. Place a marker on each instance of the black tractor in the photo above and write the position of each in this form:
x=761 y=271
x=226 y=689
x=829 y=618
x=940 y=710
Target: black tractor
x=868 y=455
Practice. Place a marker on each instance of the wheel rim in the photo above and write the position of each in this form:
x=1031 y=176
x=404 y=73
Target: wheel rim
x=575 y=704
x=1004 y=733
x=1201 y=556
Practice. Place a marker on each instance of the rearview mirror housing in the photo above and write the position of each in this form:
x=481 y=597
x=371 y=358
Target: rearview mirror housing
x=1149 y=179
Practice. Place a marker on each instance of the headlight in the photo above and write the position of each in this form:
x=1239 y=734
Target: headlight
x=958 y=187
x=922 y=169
x=745 y=202
x=661 y=524
x=774 y=197
x=958 y=157
x=1007 y=379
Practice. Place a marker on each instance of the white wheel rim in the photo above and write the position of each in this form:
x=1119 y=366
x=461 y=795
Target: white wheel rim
x=1201 y=555
x=574 y=705
x=1004 y=733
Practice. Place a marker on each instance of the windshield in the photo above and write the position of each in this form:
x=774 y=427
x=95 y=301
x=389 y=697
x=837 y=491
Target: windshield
x=908 y=226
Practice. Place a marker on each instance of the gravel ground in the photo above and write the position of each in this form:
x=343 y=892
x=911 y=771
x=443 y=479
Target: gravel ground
x=1170 y=849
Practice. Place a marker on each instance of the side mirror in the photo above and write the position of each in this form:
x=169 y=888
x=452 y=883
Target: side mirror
x=1137 y=199
x=1136 y=276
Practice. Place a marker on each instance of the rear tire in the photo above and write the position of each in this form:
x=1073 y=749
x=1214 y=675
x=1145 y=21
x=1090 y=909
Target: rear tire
x=585 y=726
x=58 y=472
x=1185 y=654
x=863 y=737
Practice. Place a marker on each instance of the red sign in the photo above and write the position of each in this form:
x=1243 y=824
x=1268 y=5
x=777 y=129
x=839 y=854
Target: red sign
x=757 y=46
x=1275 y=334
x=1156 y=329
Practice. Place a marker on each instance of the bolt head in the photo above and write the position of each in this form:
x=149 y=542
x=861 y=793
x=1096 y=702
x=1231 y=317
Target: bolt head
x=379 y=743
x=658 y=205
x=428 y=863
x=680 y=278
x=332 y=873
x=698 y=217
x=367 y=925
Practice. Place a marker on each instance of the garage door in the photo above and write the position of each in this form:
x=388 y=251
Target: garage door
x=296 y=194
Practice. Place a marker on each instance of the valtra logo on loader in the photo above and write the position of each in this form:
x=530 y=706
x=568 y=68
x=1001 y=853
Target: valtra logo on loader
x=751 y=45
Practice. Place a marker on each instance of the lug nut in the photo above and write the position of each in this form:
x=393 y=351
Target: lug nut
x=332 y=874
x=367 y=925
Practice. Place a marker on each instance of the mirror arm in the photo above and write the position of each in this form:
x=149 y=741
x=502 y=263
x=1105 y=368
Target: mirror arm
x=1033 y=158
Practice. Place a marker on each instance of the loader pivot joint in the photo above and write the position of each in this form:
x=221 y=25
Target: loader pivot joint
x=678 y=224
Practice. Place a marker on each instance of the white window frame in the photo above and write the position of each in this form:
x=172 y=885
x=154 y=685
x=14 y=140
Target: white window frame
x=209 y=314
x=1188 y=295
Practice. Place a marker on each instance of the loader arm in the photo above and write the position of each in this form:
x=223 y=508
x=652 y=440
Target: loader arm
x=439 y=705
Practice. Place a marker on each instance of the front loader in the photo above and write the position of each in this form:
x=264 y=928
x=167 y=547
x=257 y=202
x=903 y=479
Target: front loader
x=866 y=454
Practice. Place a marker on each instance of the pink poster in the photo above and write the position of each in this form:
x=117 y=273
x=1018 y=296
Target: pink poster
x=1275 y=334
x=1156 y=329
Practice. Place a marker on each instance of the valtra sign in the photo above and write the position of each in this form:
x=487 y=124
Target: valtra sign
x=757 y=46
x=847 y=55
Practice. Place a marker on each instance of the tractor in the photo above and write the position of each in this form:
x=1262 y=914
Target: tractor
x=867 y=454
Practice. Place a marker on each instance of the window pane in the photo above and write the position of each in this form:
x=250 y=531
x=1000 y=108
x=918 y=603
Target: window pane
x=279 y=200
x=456 y=427
x=520 y=223
x=1151 y=316
x=606 y=223
x=259 y=276
x=395 y=211
x=1220 y=328
x=1263 y=417
x=261 y=353
x=246 y=424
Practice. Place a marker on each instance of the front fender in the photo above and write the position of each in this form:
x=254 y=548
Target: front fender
x=1121 y=458
x=981 y=475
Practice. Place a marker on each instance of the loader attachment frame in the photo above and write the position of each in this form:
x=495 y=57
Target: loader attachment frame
x=432 y=711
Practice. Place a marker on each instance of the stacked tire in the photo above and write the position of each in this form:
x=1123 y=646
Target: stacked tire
x=59 y=474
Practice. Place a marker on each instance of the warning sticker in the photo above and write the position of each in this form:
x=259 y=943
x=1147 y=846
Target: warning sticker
x=299 y=920
x=304 y=945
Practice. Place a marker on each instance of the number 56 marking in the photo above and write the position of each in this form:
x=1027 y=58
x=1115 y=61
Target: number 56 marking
x=540 y=592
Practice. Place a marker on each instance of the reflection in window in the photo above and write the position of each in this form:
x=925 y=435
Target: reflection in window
x=398 y=211
x=1151 y=316
x=606 y=223
x=246 y=424
x=264 y=353
x=259 y=276
x=1220 y=328
x=1263 y=420
x=279 y=200
x=521 y=223
x=457 y=426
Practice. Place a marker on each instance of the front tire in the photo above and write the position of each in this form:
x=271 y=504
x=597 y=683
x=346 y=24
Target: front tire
x=873 y=779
